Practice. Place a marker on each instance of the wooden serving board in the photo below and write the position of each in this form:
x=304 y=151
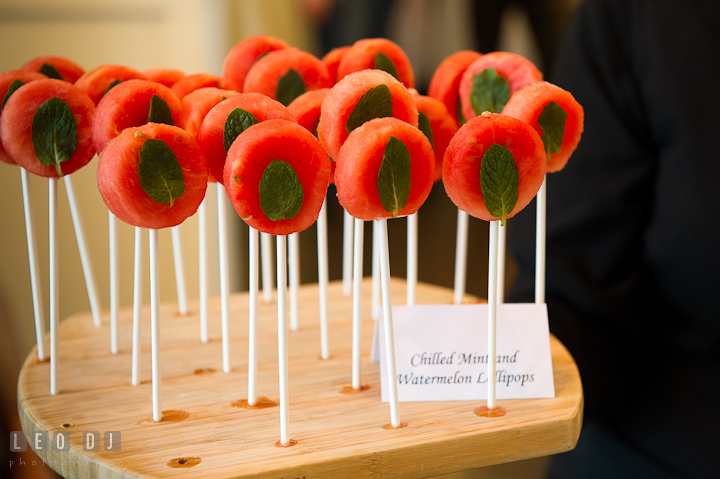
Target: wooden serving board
x=338 y=435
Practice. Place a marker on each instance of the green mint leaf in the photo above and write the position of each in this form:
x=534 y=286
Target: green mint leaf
x=499 y=181
x=161 y=176
x=11 y=89
x=552 y=121
x=159 y=111
x=54 y=133
x=384 y=63
x=50 y=71
x=393 y=181
x=461 y=117
x=281 y=193
x=236 y=122
x=115 y=83
x=490 y=92
x=375 y=103
x=424 y=126
x=290 y=86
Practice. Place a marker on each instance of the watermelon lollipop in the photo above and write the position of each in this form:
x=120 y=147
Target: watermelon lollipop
x=379 y=54
x=9 y=82
x=133 y=103
x=58 y=68
x=488 y=83
x=197 y=104
x=165 y=76
x=95 y=83
x=445 y=82
x=191 y=83
x=285 y=74
x=46 y=127
x=243 y=55
x=332 y=61
x=437 y=124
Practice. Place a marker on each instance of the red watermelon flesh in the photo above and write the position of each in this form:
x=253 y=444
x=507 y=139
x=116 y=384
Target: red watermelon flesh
x=6 y=79
x=527 y=105
x=362 y=54
x=251 y=154
x=212 y=129
x=358 y=165
x=344 y=96
x=306 y=110
x=243 y=55
x=119 y=183
x=17 y=119
x=69 y=70
x=97 y=81
x=191 y=83
x=164 y=76
x=127 y=105
x=445 y=82
x=443 y=127
x=332 y=61
x=516 y=69
x=265 y=74
x=197 y=104
x=463 y=157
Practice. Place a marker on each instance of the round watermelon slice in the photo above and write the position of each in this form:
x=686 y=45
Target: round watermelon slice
x=285 y=74
x=191 y=83
x=155 y=188
x=197 y=104
x=212 y=130
x=563 y=121
x=332 y=61
x=516 y=70
x=306 y=110
x=164 y=76
x=13 y=79
x=385 y=170
x=437 y=124
x=58 y=68
x=276 y=176
x=96 y=82
x=243 y=55
x=379 y=54
x=358 y=96
x=127 y=105
x=48 y=121
x=445 y=82
x=493 y=134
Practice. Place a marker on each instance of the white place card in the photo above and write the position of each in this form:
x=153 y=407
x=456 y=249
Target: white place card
x=441 y=352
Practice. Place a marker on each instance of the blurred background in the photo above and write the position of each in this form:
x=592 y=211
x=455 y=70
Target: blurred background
x=194 y=36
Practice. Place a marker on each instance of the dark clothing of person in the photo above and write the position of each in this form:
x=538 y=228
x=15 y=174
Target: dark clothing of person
x=633 y=238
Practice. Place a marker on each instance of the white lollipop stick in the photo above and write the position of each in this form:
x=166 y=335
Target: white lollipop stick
x=540 y=244
x=154 y=326
x=412 y=258
x=84 y=254
x=501 y=265
x=32 y=260
x=294 y=265
x=179 y=270
x=461 y=242
x=347 y=252
x=224 y=277
x=267 y=274
x=112 y=232
x=375 y=297
x=357 y=301
x=492 y=311
x=323 y=280
x=282 y=340
x=137 y=305
x=387 y=320
x=252 y=328
x=202 y=267
x=54 y=304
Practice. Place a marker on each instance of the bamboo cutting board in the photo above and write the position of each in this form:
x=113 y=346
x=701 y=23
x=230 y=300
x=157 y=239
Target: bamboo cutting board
x=338 y=435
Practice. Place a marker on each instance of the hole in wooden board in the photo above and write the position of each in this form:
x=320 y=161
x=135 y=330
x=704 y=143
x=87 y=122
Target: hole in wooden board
x=483 y=411
x=184 y=462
